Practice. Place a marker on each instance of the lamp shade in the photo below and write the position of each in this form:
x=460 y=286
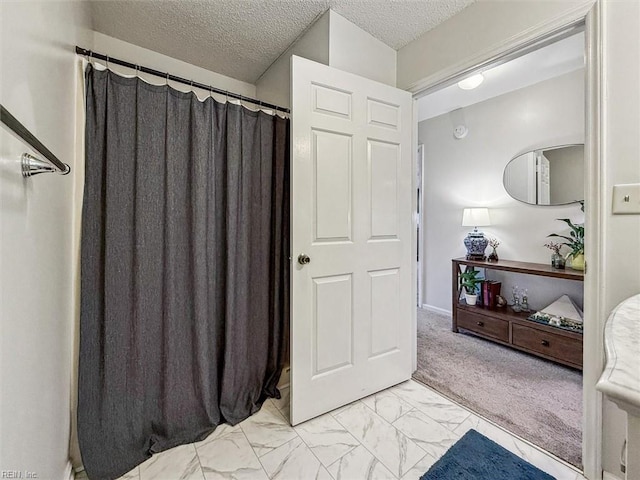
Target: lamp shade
x=475 y=217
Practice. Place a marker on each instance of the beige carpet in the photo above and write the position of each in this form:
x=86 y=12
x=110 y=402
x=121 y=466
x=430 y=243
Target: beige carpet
x=538 y=400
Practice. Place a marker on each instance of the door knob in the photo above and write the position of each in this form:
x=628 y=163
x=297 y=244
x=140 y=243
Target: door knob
x=303 y=259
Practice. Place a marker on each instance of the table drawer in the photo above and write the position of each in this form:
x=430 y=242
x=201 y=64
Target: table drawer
x=556 y=346
x=483 y=325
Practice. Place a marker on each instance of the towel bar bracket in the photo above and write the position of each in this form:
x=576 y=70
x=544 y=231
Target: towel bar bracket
x=33 y=166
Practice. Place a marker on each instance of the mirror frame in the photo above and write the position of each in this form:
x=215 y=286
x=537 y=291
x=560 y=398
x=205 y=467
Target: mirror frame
x=553 y=147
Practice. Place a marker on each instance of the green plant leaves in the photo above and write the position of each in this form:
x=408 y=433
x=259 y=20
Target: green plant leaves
x=576 y=239
x=469 y=280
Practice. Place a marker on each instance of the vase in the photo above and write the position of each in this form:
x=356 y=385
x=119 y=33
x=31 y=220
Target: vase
x=476 y=243
x=493 y=256
x=557 y=261
x=470 y=298
x=577 y=261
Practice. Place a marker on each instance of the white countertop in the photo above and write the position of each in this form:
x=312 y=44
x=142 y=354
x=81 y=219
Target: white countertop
x=620 y=380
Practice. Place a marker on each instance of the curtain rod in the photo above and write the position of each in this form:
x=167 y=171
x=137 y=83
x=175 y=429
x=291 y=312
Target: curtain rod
x=174 y=78
x=32 y=165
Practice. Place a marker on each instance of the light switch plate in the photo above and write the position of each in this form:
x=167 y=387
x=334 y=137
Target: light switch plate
x=626 y=199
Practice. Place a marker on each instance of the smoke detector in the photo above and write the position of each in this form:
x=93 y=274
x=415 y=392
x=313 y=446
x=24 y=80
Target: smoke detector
x=460 y=131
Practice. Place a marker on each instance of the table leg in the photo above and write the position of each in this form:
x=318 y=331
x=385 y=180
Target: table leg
x=455 y=296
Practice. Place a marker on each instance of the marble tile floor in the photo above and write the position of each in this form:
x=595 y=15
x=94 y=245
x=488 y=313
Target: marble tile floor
x=395 y=434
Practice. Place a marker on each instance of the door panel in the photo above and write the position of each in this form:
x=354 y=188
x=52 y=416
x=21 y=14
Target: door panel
x=330 y=101
x=382 y=114
x=351 y=197
x=385 y=304
x=333 y=323
x=384 y=162
x=332 y=189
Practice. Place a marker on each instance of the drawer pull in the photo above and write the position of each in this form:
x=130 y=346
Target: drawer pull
x=480 y=324
x=545 y=343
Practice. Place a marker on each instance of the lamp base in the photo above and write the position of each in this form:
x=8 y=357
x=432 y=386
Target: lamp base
x=476 y=244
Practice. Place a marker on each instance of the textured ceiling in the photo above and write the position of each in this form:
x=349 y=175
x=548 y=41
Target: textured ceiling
x=241 y=38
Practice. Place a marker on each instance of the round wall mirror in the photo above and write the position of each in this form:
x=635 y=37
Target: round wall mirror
x=547 y=176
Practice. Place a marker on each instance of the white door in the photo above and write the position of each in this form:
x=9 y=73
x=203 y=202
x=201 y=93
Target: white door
x=351 y=198
x=544 y=181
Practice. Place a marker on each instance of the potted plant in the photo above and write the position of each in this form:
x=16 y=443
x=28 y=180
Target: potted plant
x=469 y=281
x=575 y=241
x=494 y=244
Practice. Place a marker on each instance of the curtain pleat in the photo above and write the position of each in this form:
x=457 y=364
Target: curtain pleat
x=184 y=268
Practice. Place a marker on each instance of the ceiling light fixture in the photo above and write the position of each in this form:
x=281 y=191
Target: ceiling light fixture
x=471 y=82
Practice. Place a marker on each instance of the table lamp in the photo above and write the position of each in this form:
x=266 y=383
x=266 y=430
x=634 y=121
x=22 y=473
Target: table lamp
x=475 y=242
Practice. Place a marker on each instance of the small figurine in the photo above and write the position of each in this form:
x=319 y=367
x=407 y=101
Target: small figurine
x=525 y=301
x=516 y=300
x=555 y=321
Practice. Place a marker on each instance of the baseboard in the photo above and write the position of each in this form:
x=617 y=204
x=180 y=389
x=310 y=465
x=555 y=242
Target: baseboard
x=609 y=476
x=285 y=377
x=431 y=308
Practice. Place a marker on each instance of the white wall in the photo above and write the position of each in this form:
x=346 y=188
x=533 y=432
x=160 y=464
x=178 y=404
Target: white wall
x=36 y=319
x=468 y=172
x=274 y=85
x=351 y=49
x=621 y=157
x=132 y=53
x=479 y=27
x=334 y=41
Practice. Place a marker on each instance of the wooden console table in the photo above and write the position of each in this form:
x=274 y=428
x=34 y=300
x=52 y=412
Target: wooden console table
x=504 y=326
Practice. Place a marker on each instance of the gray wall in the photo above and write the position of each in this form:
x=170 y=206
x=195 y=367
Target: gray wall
x=468 y=172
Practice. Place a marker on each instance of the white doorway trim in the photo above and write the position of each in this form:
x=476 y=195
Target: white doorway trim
x=513 y=46
x=420 y=221
x=589 y=15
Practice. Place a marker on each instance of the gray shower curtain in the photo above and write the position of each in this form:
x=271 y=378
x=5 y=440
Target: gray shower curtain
x=184 y=268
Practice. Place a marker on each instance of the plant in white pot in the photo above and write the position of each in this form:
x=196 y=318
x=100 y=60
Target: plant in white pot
x=469 y=281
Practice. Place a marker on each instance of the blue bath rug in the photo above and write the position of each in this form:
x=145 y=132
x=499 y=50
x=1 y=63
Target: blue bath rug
x=475 y=457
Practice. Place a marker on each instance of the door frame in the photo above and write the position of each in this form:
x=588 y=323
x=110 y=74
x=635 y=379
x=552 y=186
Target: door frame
x=588 y=15
x=420 y=221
